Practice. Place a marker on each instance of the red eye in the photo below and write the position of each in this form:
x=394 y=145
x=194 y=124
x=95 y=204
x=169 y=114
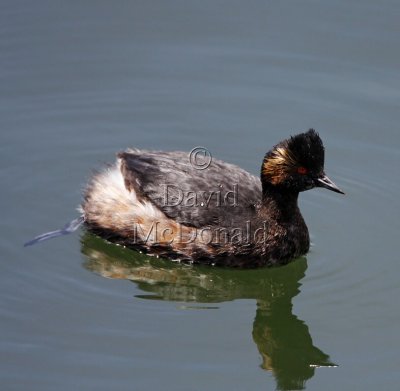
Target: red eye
x=302 y=170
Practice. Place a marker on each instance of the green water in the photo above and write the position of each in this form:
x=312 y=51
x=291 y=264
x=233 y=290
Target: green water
x=83 y=80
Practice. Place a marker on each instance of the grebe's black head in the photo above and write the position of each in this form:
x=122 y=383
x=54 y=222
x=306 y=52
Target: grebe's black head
x=296 y=164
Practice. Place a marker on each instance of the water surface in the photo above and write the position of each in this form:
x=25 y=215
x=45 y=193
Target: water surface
x=82 y=80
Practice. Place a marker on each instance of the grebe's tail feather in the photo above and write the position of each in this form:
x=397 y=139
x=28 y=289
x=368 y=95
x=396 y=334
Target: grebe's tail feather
x=67 y=229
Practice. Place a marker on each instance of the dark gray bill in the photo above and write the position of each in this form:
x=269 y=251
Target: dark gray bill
x=325 y=182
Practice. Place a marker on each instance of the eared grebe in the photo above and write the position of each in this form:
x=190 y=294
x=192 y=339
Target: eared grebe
x=161 y=203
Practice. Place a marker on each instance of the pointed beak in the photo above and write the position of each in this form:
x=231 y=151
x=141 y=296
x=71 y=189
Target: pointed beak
x=324 y=181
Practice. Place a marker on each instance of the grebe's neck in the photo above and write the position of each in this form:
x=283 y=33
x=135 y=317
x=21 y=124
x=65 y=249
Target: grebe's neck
x=279 y=203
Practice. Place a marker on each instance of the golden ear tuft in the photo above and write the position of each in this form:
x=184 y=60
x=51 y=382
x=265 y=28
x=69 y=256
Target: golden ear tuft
x=278 y=164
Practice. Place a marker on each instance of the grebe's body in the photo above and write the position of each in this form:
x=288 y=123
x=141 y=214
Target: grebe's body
x=160 y=203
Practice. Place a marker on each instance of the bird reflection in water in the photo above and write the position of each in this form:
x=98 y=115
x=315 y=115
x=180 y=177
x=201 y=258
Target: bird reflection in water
x=282 y=339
